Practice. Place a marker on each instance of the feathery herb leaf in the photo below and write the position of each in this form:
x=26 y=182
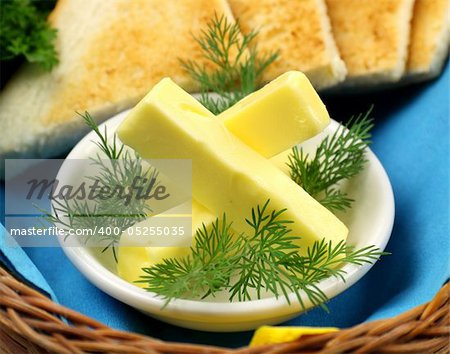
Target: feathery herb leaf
x=265 y=261
x=115 y=166
x=338 y=157
x=234 y=64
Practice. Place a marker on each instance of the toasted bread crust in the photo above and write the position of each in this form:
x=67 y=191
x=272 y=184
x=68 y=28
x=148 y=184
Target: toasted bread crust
x=111 y=53
x=299 y=30
x=430 y=37
x=372 y=37
x=126 y=58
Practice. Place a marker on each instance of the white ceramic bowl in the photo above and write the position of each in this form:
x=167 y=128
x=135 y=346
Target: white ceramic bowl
x=370 y=222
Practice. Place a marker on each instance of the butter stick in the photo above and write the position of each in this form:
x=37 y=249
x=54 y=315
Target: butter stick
x=228 y=176
x=280 y=115
x=264 y=106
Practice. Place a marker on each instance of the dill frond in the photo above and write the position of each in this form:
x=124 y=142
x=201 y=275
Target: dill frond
x=246 y=265
x=237 y=65
x=338 y=157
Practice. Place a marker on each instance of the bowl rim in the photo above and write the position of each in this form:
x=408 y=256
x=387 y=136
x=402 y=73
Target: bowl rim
x=137 y=297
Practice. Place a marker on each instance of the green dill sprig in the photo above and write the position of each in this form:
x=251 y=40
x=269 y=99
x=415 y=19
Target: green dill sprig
x=204 y=271
x=110 y=150
x=266 y=260
x=338 y=157
x=234 y=68
x=114 y=166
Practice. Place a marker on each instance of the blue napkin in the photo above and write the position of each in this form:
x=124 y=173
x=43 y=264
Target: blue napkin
x=411 y=138
x=20 y=265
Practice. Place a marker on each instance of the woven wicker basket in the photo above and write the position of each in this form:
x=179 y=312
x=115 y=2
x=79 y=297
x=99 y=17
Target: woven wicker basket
x=31 y=323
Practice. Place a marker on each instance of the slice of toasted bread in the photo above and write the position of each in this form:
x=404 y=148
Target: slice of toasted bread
x=111 y=53
x=372 y=37
x=430 y=38
x=300 y=30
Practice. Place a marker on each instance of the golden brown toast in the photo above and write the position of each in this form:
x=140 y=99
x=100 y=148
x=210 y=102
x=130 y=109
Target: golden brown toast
x=372 y=37
x=300 y=30
x=430 y=38
x=111 y=53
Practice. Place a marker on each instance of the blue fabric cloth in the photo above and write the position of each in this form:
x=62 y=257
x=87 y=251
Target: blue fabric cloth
x=21 y=266
x=411 y=139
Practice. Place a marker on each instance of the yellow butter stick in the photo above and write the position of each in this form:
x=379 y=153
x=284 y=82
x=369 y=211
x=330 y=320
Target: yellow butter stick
x=228 y=176
x=274 y=335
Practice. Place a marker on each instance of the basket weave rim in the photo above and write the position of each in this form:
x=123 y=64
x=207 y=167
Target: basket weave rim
x=31 y=322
